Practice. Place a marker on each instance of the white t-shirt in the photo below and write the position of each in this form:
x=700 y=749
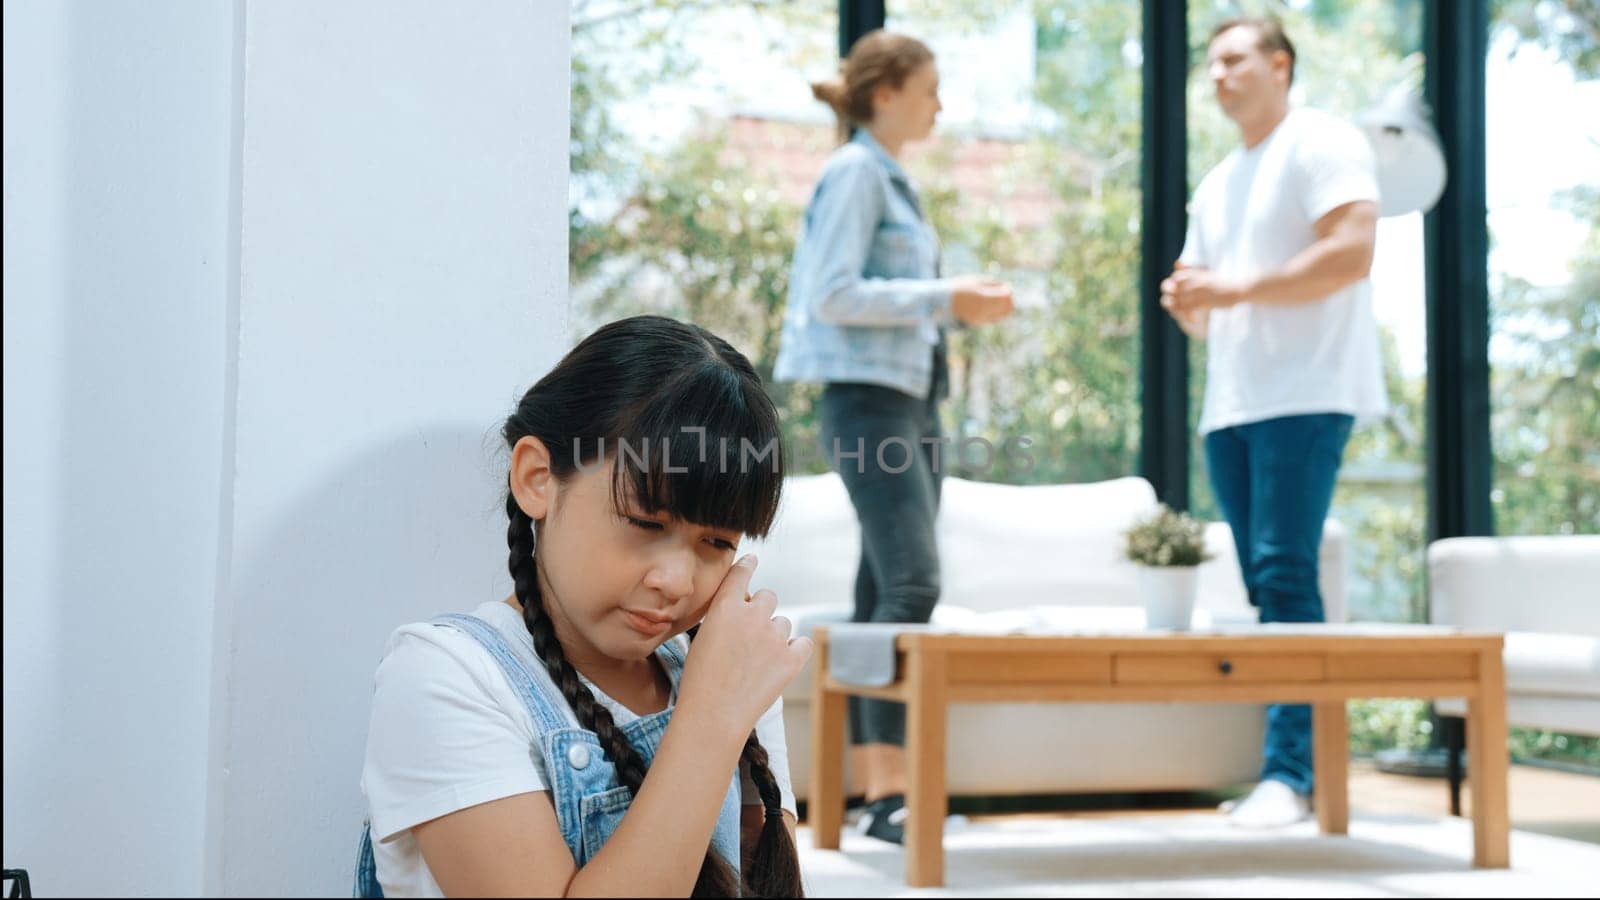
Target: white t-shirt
x=1253 y=213
x=448 y=732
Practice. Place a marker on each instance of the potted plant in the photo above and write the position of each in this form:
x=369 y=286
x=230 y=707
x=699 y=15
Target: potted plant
x=1168 y=548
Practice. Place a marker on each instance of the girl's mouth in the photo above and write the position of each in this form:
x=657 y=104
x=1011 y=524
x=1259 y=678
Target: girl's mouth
x=646 y=625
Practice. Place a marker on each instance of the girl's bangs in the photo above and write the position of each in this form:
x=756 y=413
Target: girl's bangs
x=704 y=452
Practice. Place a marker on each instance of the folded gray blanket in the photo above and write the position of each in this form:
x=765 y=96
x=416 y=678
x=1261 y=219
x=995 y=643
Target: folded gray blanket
x=863 y=653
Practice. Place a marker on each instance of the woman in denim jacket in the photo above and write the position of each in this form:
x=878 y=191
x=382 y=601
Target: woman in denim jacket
x=867 y=315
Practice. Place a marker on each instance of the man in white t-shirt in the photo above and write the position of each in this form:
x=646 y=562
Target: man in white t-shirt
x=1274 y=276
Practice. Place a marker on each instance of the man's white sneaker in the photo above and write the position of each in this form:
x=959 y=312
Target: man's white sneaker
x=1272 y=804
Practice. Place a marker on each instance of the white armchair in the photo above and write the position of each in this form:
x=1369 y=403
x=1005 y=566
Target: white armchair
x=1544 y=594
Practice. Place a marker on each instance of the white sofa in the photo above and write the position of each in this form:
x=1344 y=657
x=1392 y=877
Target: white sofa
x=1544 y=594
x=1007 y=547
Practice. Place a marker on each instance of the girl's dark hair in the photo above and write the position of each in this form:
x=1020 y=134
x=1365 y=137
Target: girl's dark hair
x=639 y=392
x=879 y=57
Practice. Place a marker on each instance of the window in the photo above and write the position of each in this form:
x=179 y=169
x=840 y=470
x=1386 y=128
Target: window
x=1544 y=267
x=695 y=144
x=1033 y=176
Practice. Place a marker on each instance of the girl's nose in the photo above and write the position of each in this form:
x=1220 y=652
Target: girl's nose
x=672 y=574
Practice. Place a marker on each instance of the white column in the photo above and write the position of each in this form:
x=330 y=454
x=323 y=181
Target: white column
x=403 y=273
x=274 y=274
x=117 y=283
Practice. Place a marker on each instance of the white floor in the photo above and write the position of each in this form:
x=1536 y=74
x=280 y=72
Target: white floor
x=1202 y=856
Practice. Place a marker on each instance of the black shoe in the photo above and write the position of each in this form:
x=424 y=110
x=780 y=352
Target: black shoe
x=885 y=819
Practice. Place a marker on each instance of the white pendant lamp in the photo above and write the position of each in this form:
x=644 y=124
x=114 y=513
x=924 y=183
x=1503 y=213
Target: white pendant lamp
x=1411 y=170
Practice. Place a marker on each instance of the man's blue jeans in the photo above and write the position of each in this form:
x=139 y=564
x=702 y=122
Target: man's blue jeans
x=1274 y=481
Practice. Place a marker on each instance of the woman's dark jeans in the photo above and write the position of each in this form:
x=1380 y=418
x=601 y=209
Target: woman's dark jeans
x=894 y=485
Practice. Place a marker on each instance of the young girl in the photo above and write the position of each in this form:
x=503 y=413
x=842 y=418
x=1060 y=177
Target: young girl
x=565 y=740
x=867 y=314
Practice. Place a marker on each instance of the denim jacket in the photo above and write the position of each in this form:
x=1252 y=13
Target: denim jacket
x=588 y=797
x=866 y=303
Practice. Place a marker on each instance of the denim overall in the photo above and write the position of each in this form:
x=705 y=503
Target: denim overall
x=589 y=799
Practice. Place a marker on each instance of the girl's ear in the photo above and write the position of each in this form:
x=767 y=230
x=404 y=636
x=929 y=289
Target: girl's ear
x=532 y=481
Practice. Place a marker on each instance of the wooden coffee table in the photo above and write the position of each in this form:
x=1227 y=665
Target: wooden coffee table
x=1321 y=665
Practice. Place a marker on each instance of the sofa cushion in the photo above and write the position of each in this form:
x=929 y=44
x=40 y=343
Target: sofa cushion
x=1006 y=546
x=1532 y=584
x=1561 y=664
x=1003 y=546
x=1000 y=545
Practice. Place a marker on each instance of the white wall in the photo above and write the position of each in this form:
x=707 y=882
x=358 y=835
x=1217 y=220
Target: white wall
x=404 y=251
x=274 y=271
x=117 y=149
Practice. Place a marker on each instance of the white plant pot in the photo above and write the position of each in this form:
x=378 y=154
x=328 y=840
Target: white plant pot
x=1168 y=593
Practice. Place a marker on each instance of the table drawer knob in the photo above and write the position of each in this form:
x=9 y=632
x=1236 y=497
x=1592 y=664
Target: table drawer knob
x=1225 y=667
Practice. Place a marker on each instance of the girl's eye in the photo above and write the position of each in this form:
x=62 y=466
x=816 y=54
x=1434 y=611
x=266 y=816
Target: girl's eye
x=723 y=545
x=645 y=524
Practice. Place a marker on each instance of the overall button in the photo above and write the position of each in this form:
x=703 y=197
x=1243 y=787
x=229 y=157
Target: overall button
x=578 y=756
